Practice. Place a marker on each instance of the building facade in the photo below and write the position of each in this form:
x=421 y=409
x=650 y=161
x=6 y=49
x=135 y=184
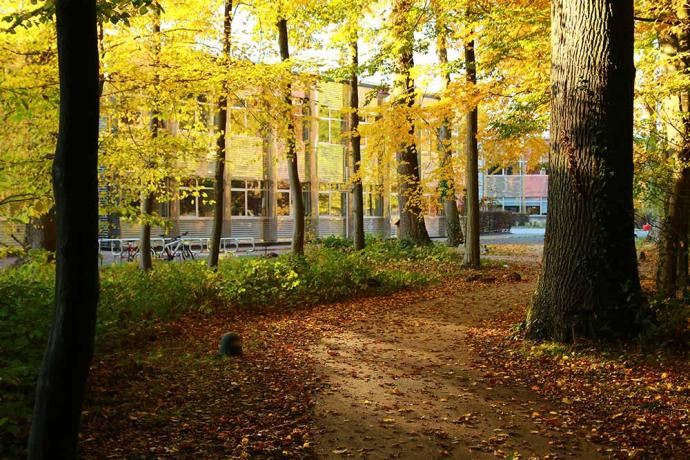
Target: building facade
x=257 y=192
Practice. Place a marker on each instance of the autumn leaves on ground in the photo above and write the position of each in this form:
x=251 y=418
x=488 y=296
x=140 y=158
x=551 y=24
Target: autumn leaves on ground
x=436 y=371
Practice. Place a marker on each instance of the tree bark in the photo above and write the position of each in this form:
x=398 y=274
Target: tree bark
x=410 y=194
x=63 y=375
x=219 y=184
x=145 y=260
x=447 y=183
x=471 y=258
x=355 y=144
x=589 y=286
x=296 y=200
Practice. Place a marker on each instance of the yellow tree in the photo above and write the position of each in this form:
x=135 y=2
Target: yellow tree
x=29 y=115
x=158 y=84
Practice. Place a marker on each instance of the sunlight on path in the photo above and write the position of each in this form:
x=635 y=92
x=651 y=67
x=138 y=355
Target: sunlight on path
x=405 y=385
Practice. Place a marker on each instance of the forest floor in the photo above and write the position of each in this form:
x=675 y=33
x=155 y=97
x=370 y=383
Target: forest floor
x=427 y=373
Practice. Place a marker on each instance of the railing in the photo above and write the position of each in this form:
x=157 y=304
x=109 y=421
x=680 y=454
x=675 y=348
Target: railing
x=117 y=247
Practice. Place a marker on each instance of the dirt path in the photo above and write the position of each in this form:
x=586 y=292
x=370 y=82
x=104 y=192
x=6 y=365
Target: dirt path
x=405 y=384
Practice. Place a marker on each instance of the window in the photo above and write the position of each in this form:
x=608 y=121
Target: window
x=331 y=200
x=306 y=124
x=197 y=198
x=534 y=210
x=242 y=120
x=330 y=125
x=373 y=202
x=394 y=202
x=283 y=198
x=198 y=115
x=247 y=198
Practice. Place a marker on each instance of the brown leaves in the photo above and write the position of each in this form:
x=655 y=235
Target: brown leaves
x=633 y=403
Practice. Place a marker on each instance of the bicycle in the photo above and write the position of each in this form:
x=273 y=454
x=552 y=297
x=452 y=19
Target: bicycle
x=176 y=247
x=130 y=253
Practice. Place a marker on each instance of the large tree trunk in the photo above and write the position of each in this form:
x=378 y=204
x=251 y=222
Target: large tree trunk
x=672 y=270
x=296 y=201
x=357 y=194
x=589 y=286
x=65 y=368
x=447 y=183
x=219 y=185
x=410 y=194
x=472 y=168
x=147 y=201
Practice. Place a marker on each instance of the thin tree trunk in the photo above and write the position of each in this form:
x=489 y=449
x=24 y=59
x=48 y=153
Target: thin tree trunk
x=447 y=184
x=145 y=260
x=296 y=201
x=472 y=168
x=63 y=375
x=672 y=269
x=219 y=185
x=357 y=194
x=589 y=286
x=410 y=194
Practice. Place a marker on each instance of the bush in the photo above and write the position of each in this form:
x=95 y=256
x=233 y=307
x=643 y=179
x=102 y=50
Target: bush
x=26 y=304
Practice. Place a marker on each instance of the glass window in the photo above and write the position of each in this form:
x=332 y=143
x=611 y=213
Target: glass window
x=197 y=198
x=247 y=198
x=331 y=200
x=324 y=204
x=336 y=204
x=324 y=135
x=331 y=126
x=394 y=204
x=255 y=199
x=373 y=202
x=188 y=206
x=237 y=200
x=283 y=203
x=534 y=210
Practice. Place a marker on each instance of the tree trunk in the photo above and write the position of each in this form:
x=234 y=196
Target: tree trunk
x=589 y=286
x=357 y=194
x=219 y=184
x=145 y=260
x=471 y=169
x=62 y=379
x=296 y=201
x=410 y=194
x=447 y=183
x=672 y=269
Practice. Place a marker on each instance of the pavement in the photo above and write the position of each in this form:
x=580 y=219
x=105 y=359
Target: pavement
x=517 y=235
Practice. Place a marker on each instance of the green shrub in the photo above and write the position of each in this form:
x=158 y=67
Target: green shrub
x=336 y=242
x=26 y=305
x=385 y=250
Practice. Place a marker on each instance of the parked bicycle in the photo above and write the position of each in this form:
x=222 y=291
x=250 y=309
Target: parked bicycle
x=177 y=248
x=130 y=252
